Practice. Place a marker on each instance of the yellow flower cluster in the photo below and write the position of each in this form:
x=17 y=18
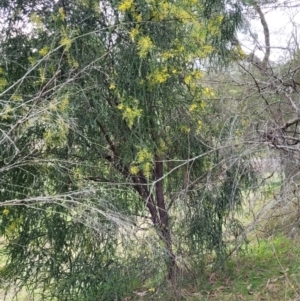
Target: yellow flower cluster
x=214 y=25
x=185 y=129
x=3 y=83
x=130 y=114
x=239 y=52
x=138 y=17
x=191 y=1
x=72 y=61
x=44 y=50
x=61 y=105
x=36 y=20
x=11 y=229
x=42 y=72
x=183 y=15
x=205 y=51
x=180 y=48
x=6 y=112
x=159 y=76
x=162 y=147
x=219 y=19
x=32 y=60
x=67 y=42
x=61 y=13
x=134 y=33
x=143 y=163
x=191 y=79
x=66 y=39
x=144 y=45
x=198 y=74
x=160 y=11
x=199 y=126
x=144 y=155
x=125 y=5
x=144 y=158
x=208 y=93
x=167 y=54
x=199 y=106
x=5 y=211
x=112 y=86
x=147 y=168
x=134 y=170
x=16 y=97
x=64 y=103
x=165 y=9
x=193 y=107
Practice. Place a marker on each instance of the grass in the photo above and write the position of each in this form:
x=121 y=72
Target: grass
x=270 y=270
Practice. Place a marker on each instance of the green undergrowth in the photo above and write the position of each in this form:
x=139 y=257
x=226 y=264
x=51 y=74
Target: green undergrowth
x=268 y=270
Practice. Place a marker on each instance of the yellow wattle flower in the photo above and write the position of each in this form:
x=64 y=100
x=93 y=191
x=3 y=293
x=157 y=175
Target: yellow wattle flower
x=125 y=5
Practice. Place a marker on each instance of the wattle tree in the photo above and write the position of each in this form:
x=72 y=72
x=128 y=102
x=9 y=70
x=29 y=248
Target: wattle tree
x=105 y=119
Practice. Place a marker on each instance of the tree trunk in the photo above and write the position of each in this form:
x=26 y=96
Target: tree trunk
x=291 y=181
x=164 y=218
x=157 y=209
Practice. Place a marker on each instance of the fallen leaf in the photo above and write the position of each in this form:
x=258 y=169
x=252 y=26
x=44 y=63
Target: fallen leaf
x=274 y=280
x=199 y=295
x=284 y=271
x=141 y=294
x=212 y=278
x=240 y=296
x=273 y=287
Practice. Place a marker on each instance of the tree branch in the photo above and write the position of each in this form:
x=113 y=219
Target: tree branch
x=265 y=26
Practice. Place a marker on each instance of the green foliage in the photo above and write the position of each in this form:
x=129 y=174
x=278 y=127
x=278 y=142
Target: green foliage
x=104 y=118
x=67 y=265
x=209 y=209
